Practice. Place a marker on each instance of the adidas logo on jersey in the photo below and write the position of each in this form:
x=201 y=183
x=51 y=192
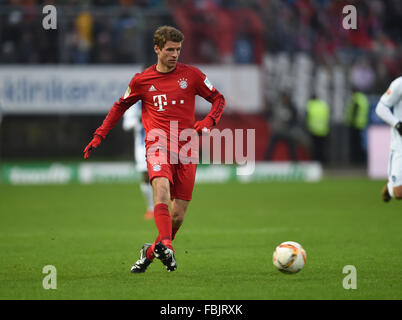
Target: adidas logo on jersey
x=152 y=88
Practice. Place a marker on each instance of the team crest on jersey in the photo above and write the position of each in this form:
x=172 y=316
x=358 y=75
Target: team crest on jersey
x=156 y=167
x=183 y=83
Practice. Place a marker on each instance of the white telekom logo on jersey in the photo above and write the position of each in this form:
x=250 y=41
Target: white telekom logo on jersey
x=160 y=101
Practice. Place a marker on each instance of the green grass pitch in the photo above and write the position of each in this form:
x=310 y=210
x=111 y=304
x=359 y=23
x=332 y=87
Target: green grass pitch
x=92 y=234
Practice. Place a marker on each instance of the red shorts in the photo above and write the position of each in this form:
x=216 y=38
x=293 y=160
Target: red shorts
x=181 y=177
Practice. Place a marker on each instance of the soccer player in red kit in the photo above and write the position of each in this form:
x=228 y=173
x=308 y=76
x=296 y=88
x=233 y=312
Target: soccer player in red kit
x=167 y=90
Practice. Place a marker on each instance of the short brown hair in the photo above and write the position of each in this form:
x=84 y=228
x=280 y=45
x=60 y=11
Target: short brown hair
x=167 y=33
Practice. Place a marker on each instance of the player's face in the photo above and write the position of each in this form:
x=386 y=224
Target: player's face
x=169 y=54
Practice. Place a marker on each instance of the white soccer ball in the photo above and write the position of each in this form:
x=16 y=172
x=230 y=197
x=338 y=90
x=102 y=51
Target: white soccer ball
x=289 y=257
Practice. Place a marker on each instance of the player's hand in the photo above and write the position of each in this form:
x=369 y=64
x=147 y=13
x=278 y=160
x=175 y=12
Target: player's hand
x=96 y=141
x=398 y=127
x=204 y=125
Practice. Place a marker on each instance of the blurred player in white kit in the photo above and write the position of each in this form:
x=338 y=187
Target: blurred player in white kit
x=132 y=121
x=389 y=109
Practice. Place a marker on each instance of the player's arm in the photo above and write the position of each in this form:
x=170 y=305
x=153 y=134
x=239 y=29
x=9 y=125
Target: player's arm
x=206 y=90
x=116 y=112
x=389 y=99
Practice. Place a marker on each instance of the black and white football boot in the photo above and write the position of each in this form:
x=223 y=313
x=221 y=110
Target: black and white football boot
x=143 y=262
x=165 y=255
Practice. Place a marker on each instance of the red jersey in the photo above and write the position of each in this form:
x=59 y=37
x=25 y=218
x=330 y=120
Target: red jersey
x=166 y=97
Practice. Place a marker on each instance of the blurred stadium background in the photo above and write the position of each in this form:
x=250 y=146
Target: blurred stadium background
x=56 y=86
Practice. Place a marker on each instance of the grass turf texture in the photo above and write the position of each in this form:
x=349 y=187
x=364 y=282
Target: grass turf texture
x=92 y=234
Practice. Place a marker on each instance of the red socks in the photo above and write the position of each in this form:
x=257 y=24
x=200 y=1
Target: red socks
x=163 y=222
x=174 y=231
x=167 y=232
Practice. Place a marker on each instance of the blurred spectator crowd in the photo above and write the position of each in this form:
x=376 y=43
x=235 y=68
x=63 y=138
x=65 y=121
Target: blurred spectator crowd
x=216 y=31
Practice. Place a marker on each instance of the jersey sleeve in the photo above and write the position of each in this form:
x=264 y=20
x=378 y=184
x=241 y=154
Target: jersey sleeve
x=205 y=89
x=385 y=114
x=394 y=93
x=130 y=97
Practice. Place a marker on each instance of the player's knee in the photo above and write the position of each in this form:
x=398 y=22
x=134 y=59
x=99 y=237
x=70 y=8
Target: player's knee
x=178 y=211
x=161 y=196
x=177 y=218
x=177 y=214
x=161 y=190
